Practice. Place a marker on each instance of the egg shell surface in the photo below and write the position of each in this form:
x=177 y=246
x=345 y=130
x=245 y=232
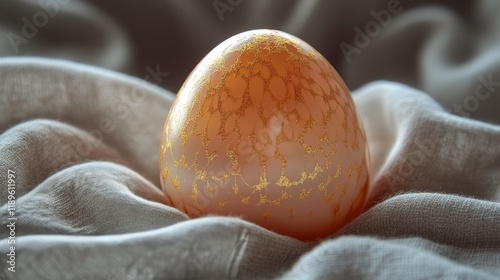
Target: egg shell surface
x=264 y=128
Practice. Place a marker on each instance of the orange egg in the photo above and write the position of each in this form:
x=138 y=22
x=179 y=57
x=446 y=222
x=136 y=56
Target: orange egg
x=264 y=128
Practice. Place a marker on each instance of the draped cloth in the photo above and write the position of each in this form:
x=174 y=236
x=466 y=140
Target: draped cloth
x=81 y=130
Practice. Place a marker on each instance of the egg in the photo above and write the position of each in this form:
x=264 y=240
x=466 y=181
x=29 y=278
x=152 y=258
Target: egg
x=265 y=129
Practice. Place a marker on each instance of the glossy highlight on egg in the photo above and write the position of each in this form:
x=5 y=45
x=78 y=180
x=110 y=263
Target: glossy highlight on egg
x=264 y=128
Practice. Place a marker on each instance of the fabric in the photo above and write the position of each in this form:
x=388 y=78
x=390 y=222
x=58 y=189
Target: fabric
x=83 y=140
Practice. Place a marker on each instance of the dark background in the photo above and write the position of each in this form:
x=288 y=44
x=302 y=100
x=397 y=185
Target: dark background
x=440 y=47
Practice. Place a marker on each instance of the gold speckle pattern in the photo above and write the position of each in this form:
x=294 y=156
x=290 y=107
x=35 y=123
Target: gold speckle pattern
x=264 y=127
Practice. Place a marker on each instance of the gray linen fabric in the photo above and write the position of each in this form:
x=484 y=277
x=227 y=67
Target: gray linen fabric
x=84 y=142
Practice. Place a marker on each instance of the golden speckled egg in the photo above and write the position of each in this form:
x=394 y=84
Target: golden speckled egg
x=264 y=128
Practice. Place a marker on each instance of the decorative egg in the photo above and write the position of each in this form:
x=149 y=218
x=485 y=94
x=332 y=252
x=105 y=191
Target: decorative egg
x=264 y=128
